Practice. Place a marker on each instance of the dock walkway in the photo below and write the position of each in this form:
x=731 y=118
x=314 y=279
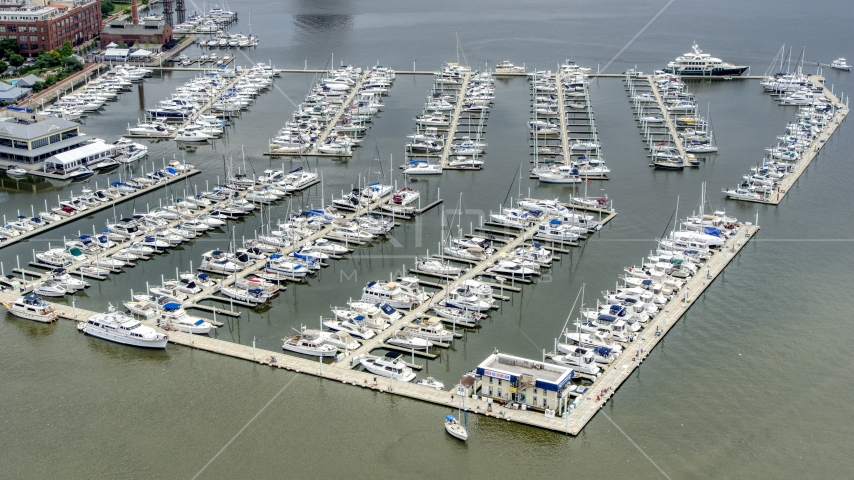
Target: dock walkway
x=674 y=135
x=97 y=208
x=452 y=129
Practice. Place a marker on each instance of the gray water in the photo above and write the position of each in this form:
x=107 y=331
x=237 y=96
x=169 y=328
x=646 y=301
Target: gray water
x=751 y=383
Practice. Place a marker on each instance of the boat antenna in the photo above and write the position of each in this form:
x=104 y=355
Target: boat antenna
x=671 y=219
x=511 y=184
x=569 y=315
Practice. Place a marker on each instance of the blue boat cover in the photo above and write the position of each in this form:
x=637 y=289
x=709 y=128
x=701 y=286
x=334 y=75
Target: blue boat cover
x=275 y=256
x=199 y=322
x=255 y=290
x=31 y=298
x=387 y=309
x=450 y=418
x=172 y=306
x=171 y=170
x=646 y=282
x=554 y=222
x=203 y=275
x=712 y=231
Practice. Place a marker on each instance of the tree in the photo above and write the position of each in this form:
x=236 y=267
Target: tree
x=66 y=50
x=71 y=64
x=3 y=66
x=50 y=80
x=16 y=60
x=122 y=44
x=8 y=46
x=38 y=87
x=107 y=7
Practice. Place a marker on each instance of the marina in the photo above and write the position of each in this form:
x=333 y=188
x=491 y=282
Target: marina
x=320 y=240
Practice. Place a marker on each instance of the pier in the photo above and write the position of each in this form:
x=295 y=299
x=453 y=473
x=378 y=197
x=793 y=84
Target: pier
x=808 y=155
x=97 y=208
x=455 y=118
x=671 y=128
x=583 y=408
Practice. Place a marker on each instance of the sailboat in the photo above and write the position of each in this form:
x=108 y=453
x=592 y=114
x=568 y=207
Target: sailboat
x=454 y=427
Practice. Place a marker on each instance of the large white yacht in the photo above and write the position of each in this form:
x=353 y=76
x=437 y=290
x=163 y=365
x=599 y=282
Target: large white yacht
x=32 y=307
x=120 y=328
x=698 y=63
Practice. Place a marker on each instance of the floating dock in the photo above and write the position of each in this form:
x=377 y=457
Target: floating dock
x=97 y=208
x=810 y=153
x=582 y=409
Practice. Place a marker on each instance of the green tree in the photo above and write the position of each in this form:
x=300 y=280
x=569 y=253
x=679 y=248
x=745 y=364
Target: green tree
x=107 y=7
x=71 y=64
x=66 y=50
x=16 y=60
x=8 y=46
x=3 y=66
x=50 y=80
x=38 y=87
x=122 y=44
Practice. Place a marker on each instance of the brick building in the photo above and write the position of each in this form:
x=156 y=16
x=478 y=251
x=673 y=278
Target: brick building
x=148 y=32
x=45 y=25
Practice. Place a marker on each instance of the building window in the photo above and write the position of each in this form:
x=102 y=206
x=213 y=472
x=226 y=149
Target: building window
x=535 y=400
x=39 y=143
x=490 y=380
x=499 y=391
x=54 y=138
x=69 y=134
x=34 y=47
x=2 y=28
x=33 y=29
x=21 y=145
x=34 y=38
x=24 y=46
x=5 y=142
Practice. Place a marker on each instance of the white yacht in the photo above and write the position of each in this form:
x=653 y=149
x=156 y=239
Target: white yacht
x=353 y=327
x=309 y=343
x=562 y=175
x=580 y=359
x=388 y=292
x=697 y=63
x=840 y=64
x=431 y=328
x=32 y=307
x=174 y=316
x=391 y=366
x=405 y=339
x=422 y=168
x=120 y=328
x=507 y=67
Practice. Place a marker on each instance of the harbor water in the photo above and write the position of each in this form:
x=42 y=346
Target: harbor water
x=751 y=383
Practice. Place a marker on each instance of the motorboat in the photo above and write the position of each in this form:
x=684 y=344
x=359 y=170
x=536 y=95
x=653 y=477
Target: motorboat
x=431 y=382
x=16 y=172
x=509 y=268
x=743 y=194
x=697 y=63
x=353 y=326
x=840 y=64
x=340 y=340
x=434 y=265
x=422 y=168
x=390 y=366
x=562 y=175
x=432 y=329
x=557 y=230
x=120 y=328
x=505 y=67
x=390 y=293
x=309 y=343
x=192 y=137
x=253 y=296
x=406 y=339
x=32 y=307
x=405 y=196
x=465 y=162
x=580 y=359
x=173 y=315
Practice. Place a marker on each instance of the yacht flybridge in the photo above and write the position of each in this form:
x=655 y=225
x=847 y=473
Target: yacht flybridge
x=697 y=63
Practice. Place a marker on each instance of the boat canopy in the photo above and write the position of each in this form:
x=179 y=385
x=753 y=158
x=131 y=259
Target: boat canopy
x=171 y=306
x=450 y=418
x=32 y=298
x=386 y=308
x=712 y=231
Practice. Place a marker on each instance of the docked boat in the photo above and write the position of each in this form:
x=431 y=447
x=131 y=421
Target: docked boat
x=434 y=265
x=32 y=307
x=562 y=175
x=743 y=194
x=309 y=343
x=353 y=326
x=431 y=328
x=174 y=316
x=580 y=359
x=422 y=168
x=340 y=340
x=390 y=366
x=697 y=63
x=431 y=382
x=16 y=172
x=390 y=293
x=506 y=67
x=120 y=328
x=51 y=288
x=405 y=339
